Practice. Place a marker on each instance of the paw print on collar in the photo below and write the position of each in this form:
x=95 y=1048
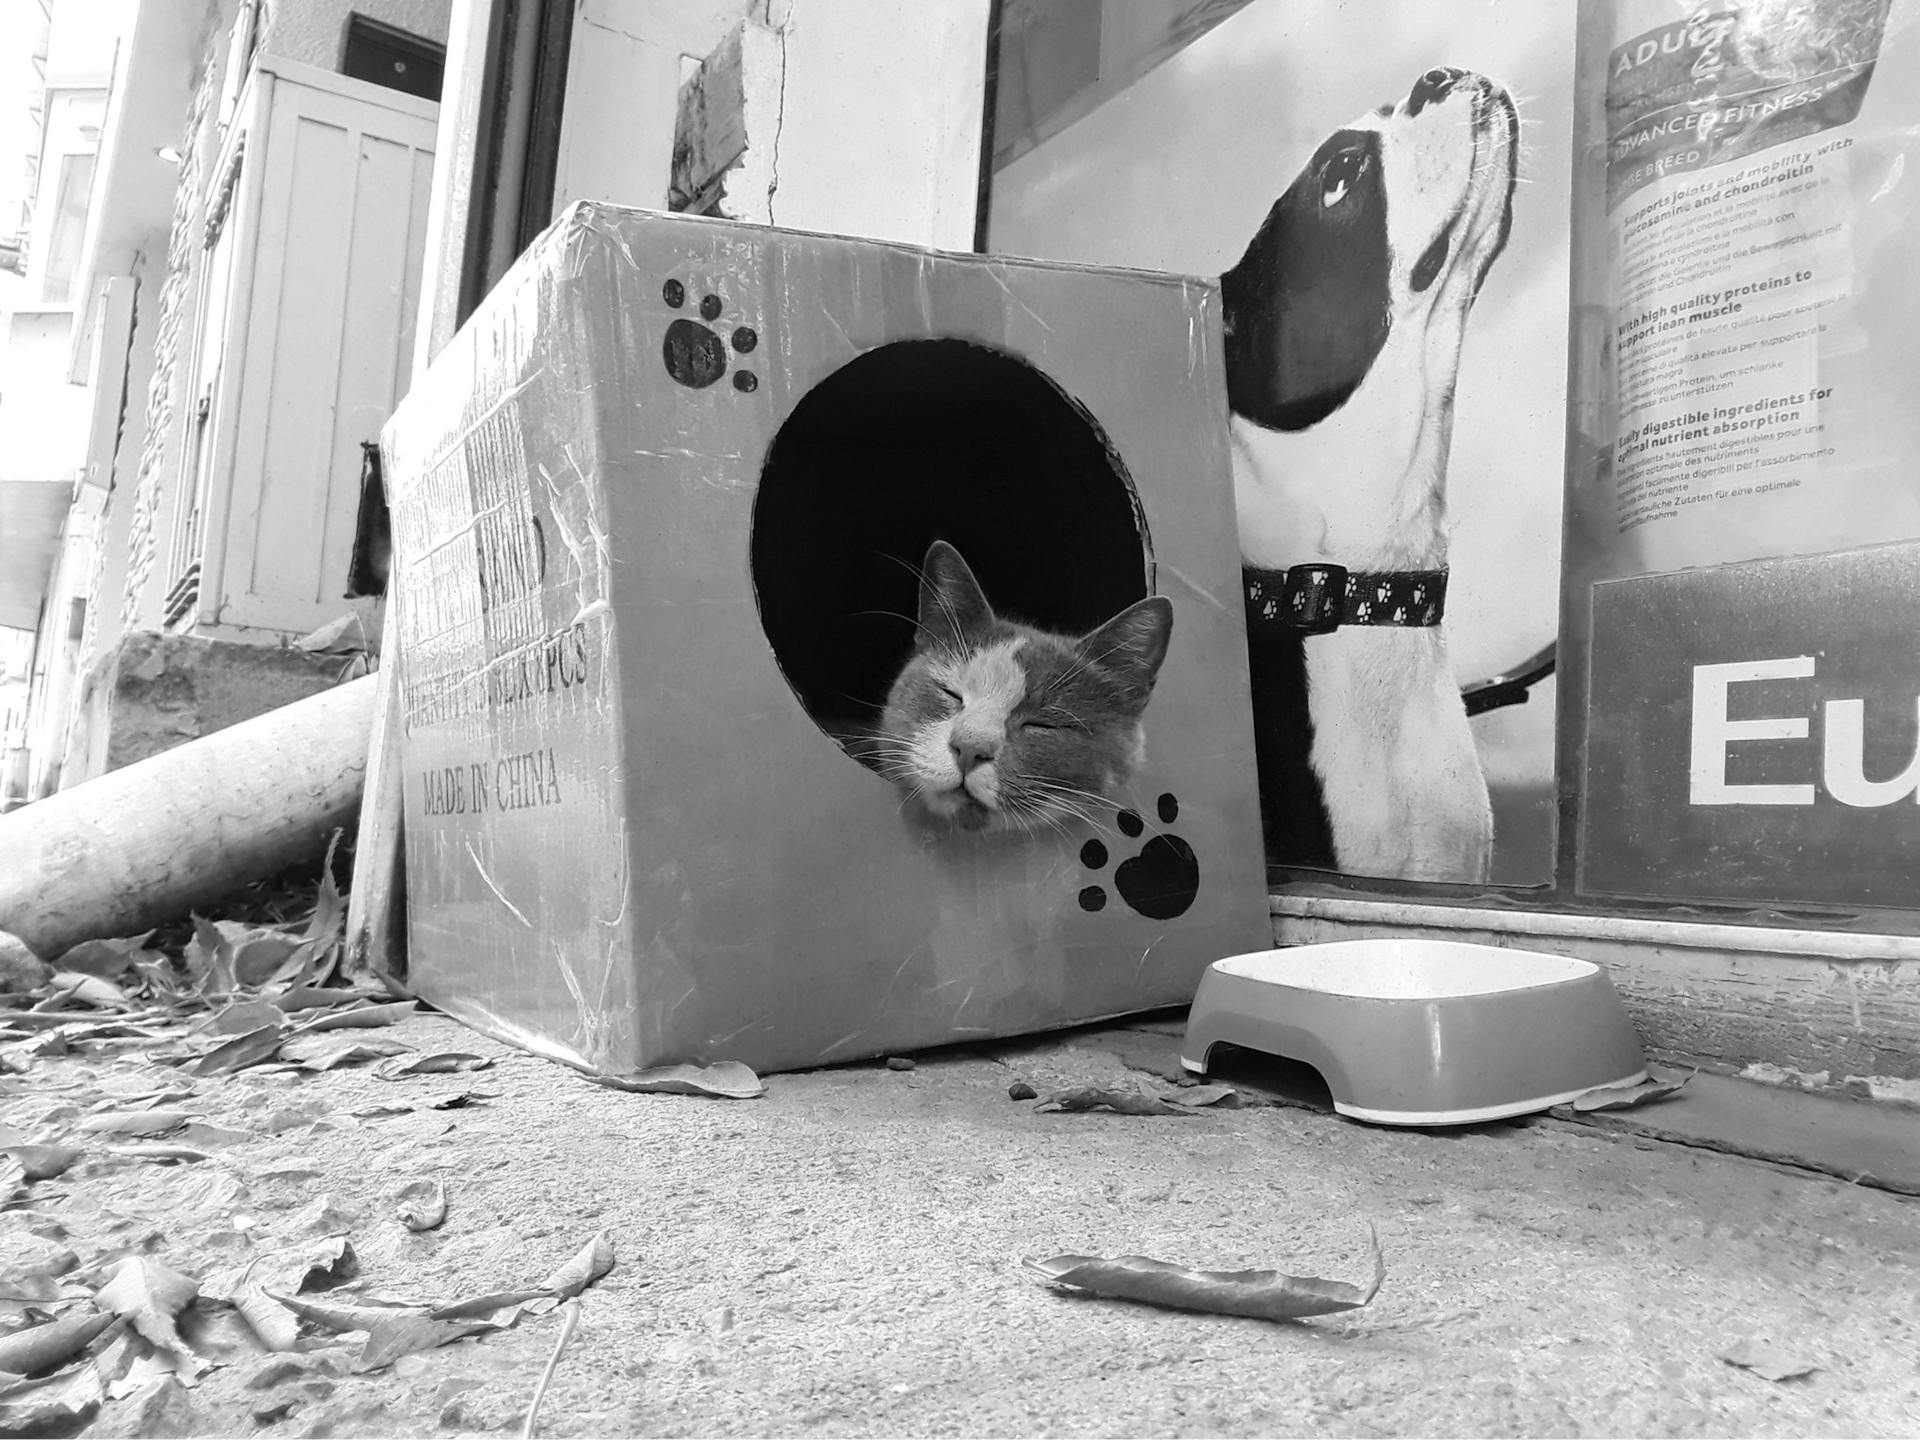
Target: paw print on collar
x=694 y=353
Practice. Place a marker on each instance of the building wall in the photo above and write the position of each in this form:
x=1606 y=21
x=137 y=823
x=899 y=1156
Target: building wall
x=861 y=117
x=107 y=582
x=154 y=495
x=315 y=31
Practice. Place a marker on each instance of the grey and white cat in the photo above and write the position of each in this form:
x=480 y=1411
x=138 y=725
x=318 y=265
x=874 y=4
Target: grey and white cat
x=996 y=725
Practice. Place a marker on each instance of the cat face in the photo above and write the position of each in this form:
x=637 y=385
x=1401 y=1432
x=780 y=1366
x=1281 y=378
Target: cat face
x=997 y=725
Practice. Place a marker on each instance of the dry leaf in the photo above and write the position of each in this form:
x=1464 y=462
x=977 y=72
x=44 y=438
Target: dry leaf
x=217 y=1137
x=327 y=1263
x=1767 y=1362
x=134 y=1122
x=69 y=985
x=109 y=959
x=344 y=1318
x=58 y=1405
x=219 y=1334
x=724 y=1079
x=1260 y=1294
x=239 y=1018
x=209 y=959
x=458 y=1099
x=28 y=1352
x=322 y=997
x=252 y=1048
x=160 y=1154
x=441 y=1062
x=1196 y=1097
x=424 y=1205
x=330 y=1052
x=361 y=1017
x=329 y=918
x=150 y=1296
x=594 y=1260
x=488 y=1307
x=42 y=1162
x=406 y=1334
x=1121 y=1102
x=272 y=1322
x=1628 y=1097
x=259 y=956
x=344 y=635
x=34 y=1290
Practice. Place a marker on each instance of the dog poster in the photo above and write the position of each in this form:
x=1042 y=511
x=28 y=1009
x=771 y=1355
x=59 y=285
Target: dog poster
x=1383 y=191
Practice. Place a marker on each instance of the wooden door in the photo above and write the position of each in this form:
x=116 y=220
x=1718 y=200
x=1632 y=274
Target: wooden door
x=319 y=343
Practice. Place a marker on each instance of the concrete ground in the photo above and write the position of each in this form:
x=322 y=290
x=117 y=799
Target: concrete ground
x=843 y=1257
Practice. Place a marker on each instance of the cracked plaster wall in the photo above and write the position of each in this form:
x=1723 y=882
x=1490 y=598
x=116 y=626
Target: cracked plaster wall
x=863 y=116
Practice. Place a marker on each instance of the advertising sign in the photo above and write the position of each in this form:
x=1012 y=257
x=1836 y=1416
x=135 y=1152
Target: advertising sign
x=1383 y=191
x=1753 y=732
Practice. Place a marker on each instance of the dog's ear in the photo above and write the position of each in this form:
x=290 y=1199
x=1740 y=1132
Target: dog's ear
x=953 y=607
x=1309 y=304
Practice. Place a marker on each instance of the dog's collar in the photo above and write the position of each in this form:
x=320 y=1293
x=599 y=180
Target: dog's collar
x=1315 y=599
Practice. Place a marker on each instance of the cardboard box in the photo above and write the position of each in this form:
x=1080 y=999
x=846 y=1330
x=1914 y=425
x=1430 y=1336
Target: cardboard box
x=658 y=510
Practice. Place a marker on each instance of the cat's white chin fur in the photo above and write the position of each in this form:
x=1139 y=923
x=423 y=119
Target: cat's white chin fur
x=970 y=805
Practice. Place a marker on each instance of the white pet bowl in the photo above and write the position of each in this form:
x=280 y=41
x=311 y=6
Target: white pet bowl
x=1423 y=1032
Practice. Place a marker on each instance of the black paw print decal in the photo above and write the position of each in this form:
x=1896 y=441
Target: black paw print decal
x=695 y=355
x=1160 y=882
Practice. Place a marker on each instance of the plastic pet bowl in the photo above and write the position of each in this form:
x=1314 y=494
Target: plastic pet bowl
x=1423 y=1032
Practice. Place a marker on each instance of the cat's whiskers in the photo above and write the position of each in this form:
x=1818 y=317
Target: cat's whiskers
x=1059 y=790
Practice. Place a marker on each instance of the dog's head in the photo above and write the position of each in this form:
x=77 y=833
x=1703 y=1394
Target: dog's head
x=1389 y=229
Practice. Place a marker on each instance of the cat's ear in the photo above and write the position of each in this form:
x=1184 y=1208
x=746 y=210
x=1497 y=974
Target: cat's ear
x=953 y=607
x=1132 y=645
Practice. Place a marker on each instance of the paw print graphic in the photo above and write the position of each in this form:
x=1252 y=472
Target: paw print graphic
x=694 y=352
x=1160 y=881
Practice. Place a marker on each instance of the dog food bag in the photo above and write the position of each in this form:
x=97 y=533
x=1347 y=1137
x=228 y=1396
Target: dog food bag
x=1745 y=326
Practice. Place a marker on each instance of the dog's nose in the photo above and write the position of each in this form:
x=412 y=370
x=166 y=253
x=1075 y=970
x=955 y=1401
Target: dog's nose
x=1435 y=85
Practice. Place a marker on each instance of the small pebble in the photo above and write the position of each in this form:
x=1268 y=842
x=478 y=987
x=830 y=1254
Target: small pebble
x=899 y=1062
x=1020 y=1090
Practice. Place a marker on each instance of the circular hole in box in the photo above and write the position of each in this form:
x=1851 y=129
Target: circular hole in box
x=922 y=440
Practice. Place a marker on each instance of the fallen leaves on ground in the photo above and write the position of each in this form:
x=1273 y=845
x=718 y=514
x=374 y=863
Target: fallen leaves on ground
x=1128 y=1102
x=441 y=1062
x=1097 y=1097
x=725 y=1080
x=423 y=1205
x=1768 y=1362
x=1259 y=1294
x=593 y=1261
x=134 y=1122
x=1629 y=1097
x=43 y=1162
x=397 y=1328
x=58 y=1405
x=43 y=1347
x=150 y=1296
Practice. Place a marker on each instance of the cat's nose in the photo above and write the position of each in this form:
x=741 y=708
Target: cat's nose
x=971 y=751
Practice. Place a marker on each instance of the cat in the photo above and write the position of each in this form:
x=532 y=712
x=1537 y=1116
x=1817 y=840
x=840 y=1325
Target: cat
x=993 y=725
